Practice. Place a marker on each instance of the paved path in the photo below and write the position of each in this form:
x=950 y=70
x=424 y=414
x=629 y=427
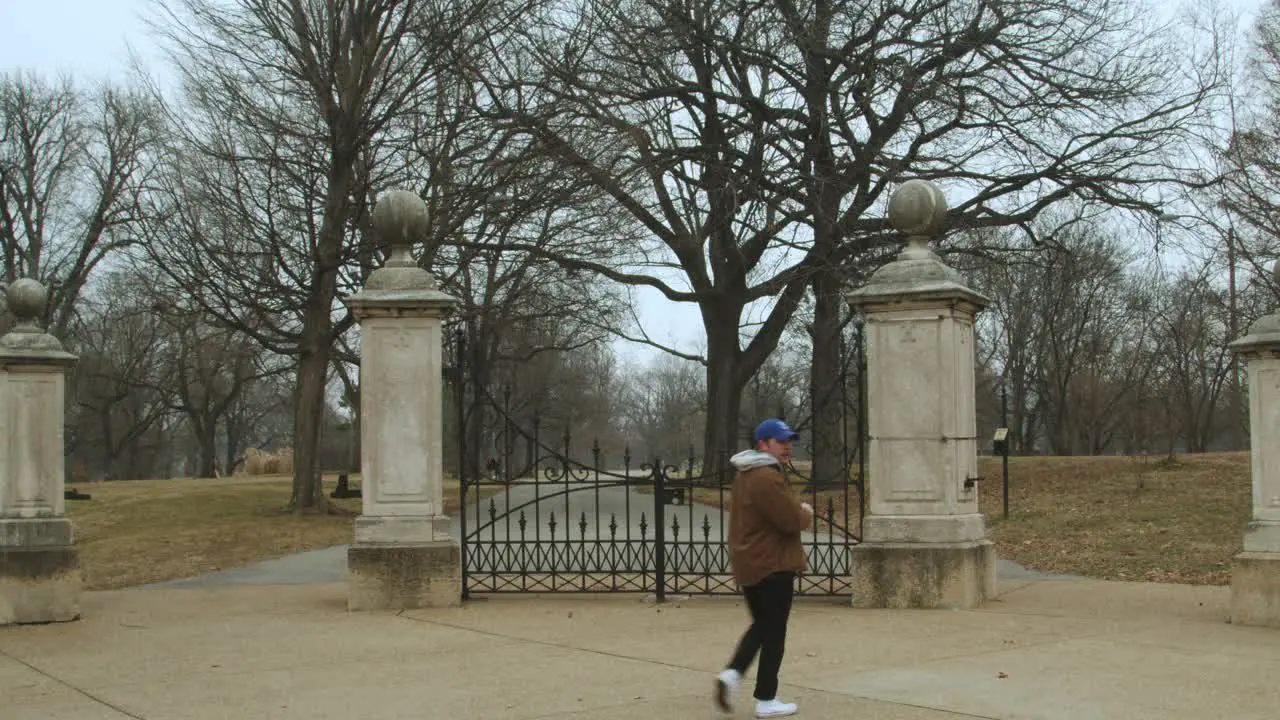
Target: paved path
x=1042 y=650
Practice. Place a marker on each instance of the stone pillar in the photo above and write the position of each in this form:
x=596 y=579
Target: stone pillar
x=1255 y=575
x=39 y=566
x=924 y=543
x=404 y=555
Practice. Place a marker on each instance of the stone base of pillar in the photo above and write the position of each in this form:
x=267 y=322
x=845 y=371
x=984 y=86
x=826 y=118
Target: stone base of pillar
x=39 y=585
x=387 y=576
x=403 y=530
x=923 y=575
x=1255 y=589
x=924 y=529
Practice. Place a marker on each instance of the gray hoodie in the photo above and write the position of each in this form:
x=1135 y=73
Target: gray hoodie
x=748 y=459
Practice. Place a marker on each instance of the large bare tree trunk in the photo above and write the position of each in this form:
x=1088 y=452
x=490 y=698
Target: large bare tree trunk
x=206 y=440
x=313 y=366
x=826 y=389
x=823 y=199
x=317 y=347
x=824 y=382
x=724 y=393
x=721 y=439
x=231 y=454
x=479 y=379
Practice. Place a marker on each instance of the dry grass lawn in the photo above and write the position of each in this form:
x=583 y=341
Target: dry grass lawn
x=138 y=532
x=1121 y=518
x=1115 y=518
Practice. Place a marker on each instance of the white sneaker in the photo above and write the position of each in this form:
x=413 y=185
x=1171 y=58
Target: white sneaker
x=773 y=708
x=726 y=688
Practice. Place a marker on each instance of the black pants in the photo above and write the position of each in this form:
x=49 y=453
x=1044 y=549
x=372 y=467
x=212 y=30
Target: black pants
x=770 y=604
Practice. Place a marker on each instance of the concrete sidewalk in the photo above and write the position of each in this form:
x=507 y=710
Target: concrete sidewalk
x=1046 y=649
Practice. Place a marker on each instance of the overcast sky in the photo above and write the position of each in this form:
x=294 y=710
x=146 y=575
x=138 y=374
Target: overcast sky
x=84 y=37
x=92 y=36
x=91 y=39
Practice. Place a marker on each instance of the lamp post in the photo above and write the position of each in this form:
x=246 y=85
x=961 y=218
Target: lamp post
x=1004 y=425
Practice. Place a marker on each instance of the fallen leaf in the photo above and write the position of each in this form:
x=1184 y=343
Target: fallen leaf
x=1001 y=675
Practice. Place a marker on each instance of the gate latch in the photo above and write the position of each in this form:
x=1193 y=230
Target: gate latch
x=969 y=482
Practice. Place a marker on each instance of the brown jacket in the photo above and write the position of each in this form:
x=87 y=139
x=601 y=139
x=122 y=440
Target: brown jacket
x=765 y=522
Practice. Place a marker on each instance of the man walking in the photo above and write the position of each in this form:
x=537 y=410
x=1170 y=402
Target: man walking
x=765 y=522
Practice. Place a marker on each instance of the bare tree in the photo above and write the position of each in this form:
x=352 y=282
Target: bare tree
x=1080 y=320
x=259 y=417
x=294 y=109
x=663 y=407
x=1005 y=273
x=754 y=141
x=74 y=165
x=1195 y=360
x=1070 y=329
x=117 y=407
x=547 y=383
x=489 y=191
x=210 y=368
x=6 y=319
x=1252 y=158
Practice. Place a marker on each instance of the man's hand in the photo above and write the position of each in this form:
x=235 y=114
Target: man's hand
x=807 y=508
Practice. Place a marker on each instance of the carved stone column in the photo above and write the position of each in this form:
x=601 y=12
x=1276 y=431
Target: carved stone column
x=39 y=567
x=1255 y=575
x=403 y=555
x=924 y=543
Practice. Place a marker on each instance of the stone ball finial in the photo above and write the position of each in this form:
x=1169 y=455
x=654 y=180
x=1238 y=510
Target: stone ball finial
x=400 y=219
x=917 y=208
x=27 y=299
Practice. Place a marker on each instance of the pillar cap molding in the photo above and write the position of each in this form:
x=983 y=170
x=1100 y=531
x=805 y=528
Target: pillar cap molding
x=401 y=303
x=1263 y=339
x=873 y=300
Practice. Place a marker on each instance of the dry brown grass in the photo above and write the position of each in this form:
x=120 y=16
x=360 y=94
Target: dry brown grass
x=1112 y=517
x=1121 y=518
x=138 y=532
x=1106 y=517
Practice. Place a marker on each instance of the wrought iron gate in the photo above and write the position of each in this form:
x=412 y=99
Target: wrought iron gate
x=550 y=524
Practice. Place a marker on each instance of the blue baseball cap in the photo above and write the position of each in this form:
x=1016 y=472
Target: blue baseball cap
x=775 y=429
